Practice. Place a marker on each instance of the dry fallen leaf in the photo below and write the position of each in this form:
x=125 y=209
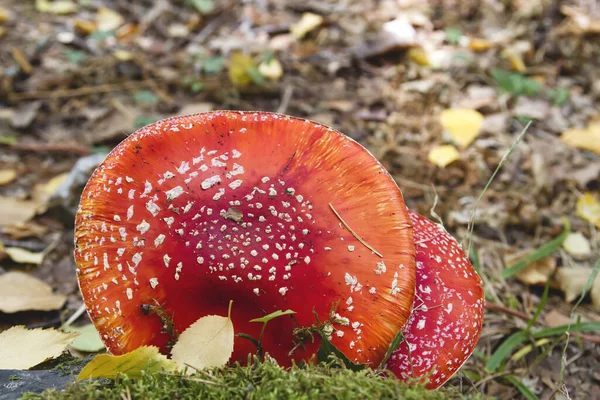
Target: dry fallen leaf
x=577 y=245
x=587 y=139
x=24 y=256
x=7 y=176
x=463 y=125
x=443 y=155
x=572 y=281
x=108 y=20
x=239 y=64
x=588 y=209
x=145 y=358
x=307 y=23
x=22 y=348
x=21 y=292
x=208 y=342
x=535 y=273
x=56 y=7
x=271 y=69
x=15 y=211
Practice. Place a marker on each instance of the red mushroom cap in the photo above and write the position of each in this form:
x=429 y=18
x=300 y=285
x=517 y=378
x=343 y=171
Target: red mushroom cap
x=446 y=321
x=194 y=211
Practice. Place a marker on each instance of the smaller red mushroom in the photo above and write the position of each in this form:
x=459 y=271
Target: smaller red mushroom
x=447 y=315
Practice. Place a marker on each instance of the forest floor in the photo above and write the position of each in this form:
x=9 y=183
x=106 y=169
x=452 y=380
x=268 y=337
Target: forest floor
x=77 y=77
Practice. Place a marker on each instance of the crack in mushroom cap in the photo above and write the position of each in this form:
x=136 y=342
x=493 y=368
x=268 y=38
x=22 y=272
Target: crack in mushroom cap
x=195 y=211
x=447 y=317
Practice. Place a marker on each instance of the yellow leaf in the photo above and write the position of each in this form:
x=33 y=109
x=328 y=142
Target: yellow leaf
x=535 y=273
x=238 y=69
x=307 y=23
x=577 y=245
x=271 y=69
x=443 y=155
x=108 y=20
x=208 y=342
x=476 y=44
x=587 y=139
x=463 y=125
x=84 y=26
x=56 y=7
x=419 y=56
x=588 y=209
x=7 y=176
x=22 y=348
x=21 y=292
x=24 y=256
x=145 y=358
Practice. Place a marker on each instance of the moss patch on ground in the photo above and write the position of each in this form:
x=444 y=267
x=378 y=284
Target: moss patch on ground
x=258 y=381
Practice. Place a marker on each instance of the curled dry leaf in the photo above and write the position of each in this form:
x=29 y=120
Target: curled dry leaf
x=588 y=208
x=577 y=245
x=208 y=342
x=145 y=358
x=537 y=272
x=22 y=292
x=22 y=348
x=572 y=282
x=462 y=125
x=443 y=155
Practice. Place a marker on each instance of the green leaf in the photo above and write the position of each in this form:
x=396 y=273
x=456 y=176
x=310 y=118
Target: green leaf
x=328 y=348
x=398 y=339
x=75 y=56
x=273 y=315
x=203 y=6
x=8 y=140
x=213 y=65
x=146 y=97
x=453 y=35
x=558 y=96
x=143 y=120
x=515 y=83
x=542 y=252
x=255 y=75
x=525 y=391
x=506 y=348
x=88 y=339
x=196 y=87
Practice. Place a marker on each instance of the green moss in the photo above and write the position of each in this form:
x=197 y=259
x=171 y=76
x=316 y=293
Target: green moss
x=259 y=381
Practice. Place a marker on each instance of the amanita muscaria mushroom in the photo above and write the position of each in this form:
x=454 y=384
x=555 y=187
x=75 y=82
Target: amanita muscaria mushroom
x=447 y=316
x=196 y=211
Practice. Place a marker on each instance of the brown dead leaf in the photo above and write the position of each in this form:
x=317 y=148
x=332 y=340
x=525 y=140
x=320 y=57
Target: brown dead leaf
x=537 y=272
x=572 y=281
x=15 y=211
x=22 y=292
x=556 y=318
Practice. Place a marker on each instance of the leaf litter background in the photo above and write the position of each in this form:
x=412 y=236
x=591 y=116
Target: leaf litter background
x=437 y=90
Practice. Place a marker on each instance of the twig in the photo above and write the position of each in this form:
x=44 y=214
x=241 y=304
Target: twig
x=82 y=91
x=49 y=147
x=354 y=233
x=285 y=99
x=20 y=59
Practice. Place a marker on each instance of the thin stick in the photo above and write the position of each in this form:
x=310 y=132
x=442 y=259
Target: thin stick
x=354 y=233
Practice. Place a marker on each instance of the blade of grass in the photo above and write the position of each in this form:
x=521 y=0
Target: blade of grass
x=506 y=348
x=500 y=164
x=542 y=252
x=540 y=307
x=521 y=387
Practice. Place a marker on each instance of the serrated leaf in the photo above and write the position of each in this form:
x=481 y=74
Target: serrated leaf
x=145 y=358
x=443 y=156
x=273 y=315
x=22 y=348
x=463 y=125
x=88 y=340
x=208 y=342
x=22 y=292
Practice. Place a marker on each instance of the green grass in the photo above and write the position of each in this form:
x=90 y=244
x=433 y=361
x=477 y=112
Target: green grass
x=264 y=380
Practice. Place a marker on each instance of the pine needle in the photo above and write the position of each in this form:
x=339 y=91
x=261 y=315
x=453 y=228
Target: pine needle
x=367 y=245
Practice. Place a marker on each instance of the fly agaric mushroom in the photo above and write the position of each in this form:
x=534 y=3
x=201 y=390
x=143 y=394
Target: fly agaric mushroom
x=447 y=317
x=261 y=209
